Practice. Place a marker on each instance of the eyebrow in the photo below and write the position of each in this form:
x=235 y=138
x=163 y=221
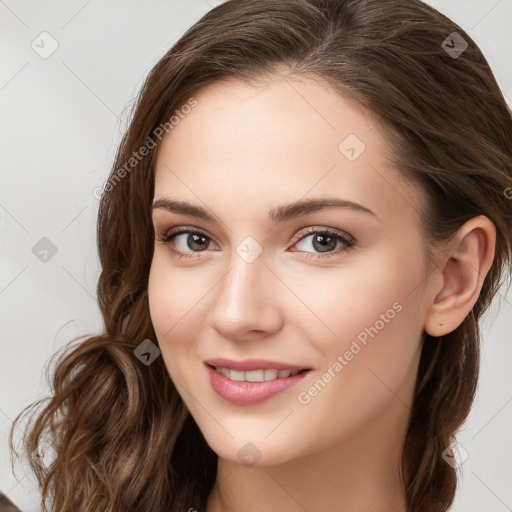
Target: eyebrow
x=282 y=213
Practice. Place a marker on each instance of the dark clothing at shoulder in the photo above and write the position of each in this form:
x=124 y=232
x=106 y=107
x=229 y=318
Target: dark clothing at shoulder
x=6 y=505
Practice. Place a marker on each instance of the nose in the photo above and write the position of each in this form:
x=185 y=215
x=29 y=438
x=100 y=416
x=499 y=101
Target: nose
x=245 y=301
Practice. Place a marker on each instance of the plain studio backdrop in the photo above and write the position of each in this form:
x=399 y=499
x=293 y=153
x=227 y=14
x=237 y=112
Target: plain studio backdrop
x=70 y=71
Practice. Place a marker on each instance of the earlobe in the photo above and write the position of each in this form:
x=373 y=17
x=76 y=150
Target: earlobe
x=464 y=266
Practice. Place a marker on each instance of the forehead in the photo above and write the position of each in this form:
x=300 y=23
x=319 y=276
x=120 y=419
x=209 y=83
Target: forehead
x=281 y=140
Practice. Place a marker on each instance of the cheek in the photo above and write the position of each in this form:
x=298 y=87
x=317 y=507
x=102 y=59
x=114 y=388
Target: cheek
x=177 y=300
x=161 y=297
x=371 y=360
x=174 y=295
x=374 y=301
x=167 y=298
x=373 y=291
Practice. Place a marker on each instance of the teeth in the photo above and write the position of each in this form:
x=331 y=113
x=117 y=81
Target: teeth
x=256 y=375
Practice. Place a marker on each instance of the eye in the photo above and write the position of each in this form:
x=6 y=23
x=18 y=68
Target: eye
x=325 y=241
x=189 y=242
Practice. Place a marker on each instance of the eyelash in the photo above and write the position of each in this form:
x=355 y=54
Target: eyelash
x=347 y=242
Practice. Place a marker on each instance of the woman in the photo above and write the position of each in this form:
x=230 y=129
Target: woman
x=305 y=221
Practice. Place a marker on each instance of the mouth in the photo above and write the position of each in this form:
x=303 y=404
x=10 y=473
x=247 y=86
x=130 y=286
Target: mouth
x=257 y=375
x=249 y=387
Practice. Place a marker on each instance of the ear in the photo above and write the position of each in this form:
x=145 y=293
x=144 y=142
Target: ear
x=464 y=266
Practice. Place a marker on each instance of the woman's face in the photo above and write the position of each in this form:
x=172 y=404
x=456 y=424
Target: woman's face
x=263 y=280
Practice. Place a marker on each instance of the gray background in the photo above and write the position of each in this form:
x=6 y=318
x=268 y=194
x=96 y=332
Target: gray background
x=62 y=118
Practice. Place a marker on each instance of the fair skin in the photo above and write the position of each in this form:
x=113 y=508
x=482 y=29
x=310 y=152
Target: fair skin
x=243 y=151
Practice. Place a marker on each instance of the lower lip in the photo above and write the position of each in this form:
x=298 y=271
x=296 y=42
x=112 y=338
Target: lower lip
x=248 y=393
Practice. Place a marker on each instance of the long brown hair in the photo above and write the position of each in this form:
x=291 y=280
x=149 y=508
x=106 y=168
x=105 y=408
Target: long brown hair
x=122 y=436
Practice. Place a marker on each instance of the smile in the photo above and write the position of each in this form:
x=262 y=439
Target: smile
x=253 y=386
x=256 y=375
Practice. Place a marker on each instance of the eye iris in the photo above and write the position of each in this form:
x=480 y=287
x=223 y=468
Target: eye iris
x=195 y=242
x=326 y=242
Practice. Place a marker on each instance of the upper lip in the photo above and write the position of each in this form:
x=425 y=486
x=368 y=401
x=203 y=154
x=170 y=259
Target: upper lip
x=252 y=364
